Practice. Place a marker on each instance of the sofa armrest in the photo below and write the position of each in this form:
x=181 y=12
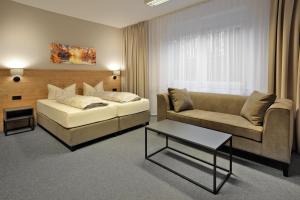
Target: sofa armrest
x=278 y=130
x=163 y=105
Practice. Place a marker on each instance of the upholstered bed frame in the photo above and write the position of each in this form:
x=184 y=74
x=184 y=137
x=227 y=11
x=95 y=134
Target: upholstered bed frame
x=73 y=138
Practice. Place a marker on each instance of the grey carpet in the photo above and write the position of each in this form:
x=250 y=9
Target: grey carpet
x=34 y=165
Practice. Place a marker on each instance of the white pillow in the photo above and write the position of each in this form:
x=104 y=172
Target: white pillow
x=89 y=90
x=56 y=92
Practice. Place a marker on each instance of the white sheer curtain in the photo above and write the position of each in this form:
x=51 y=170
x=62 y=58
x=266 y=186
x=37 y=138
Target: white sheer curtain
x=217 y=46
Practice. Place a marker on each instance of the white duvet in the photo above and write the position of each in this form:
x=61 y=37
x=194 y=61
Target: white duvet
x=120 y=97
x=81 y=102
x=70 y=117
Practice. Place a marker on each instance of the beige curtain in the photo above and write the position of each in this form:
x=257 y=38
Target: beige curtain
x=284 y=57
x=135 y=60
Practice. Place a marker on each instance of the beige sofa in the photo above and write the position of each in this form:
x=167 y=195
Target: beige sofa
x=221 y=112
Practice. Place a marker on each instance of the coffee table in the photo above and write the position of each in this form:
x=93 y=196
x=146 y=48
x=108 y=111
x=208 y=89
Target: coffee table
x=193 y=136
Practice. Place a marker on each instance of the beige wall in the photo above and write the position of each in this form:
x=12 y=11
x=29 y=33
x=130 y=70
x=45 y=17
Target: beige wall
x=26 y=32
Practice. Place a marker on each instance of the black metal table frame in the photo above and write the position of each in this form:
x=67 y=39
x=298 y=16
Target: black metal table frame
x=215 y=188
x=31 y=124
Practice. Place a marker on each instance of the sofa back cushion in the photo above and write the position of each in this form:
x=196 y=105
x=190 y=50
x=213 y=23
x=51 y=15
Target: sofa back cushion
x=224 y=103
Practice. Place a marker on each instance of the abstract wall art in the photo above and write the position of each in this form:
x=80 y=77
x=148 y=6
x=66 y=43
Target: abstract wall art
x=67 y=54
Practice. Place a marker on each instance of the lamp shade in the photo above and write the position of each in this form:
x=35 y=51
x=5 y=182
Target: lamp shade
x=16 y=71
x=116 y=73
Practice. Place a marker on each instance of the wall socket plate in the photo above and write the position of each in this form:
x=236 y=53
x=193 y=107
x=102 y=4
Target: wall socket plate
x=14 y=98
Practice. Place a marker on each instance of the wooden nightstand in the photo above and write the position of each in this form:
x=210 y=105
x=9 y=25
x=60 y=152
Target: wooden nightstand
x=12 y=116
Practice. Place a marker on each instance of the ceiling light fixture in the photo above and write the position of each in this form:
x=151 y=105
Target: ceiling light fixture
x=155 y=2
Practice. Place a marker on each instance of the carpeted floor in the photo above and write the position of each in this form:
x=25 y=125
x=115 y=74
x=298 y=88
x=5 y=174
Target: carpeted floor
x=34 y=165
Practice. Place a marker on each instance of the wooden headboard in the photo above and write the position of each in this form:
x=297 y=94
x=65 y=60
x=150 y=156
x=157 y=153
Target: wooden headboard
x=33 y=85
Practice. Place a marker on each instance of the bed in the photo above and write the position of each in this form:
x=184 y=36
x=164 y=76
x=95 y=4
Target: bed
x=132 y=113
x=74 y=126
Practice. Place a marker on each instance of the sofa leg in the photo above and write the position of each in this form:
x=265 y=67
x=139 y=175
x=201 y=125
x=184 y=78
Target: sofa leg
x=285 y=170
x=72 y=148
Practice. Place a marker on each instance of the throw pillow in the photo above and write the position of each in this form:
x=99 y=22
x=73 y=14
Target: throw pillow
x=180 y=99
x=56 y=92
x=256 y=106
x=89 y=90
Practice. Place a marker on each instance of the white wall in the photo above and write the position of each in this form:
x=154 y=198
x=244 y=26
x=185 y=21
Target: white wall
x=26 y=32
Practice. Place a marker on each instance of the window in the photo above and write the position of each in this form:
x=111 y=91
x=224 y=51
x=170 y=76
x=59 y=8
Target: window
x=218 y=46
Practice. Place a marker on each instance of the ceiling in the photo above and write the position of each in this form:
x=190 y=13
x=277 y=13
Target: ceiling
x=116 y=13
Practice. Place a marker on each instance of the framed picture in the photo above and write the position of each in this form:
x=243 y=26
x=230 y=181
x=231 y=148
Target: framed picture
x=67 y=54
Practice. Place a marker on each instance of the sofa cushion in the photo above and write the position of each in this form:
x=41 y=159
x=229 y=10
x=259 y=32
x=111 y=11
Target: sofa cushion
x=180 y=99
x=232 y=124
x=256 y=106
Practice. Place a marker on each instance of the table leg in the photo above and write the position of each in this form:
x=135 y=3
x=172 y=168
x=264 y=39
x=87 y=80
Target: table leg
x=215 y=173
x=146 y=143
x=167 y=141
x=29 y=122
x=33 y=123
x=230 y=165
x=4 y=128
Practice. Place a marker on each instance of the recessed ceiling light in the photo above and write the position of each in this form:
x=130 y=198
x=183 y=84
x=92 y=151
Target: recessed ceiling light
x=155 y=2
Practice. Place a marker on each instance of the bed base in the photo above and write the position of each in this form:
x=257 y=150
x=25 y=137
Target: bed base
x=78 y=137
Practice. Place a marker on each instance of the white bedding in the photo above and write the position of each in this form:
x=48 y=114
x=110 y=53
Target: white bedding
x=70 y=117
x=81 y=102
x=129 y=108
x=119 y=97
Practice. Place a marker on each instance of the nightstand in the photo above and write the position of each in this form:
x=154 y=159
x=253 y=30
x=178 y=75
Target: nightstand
x=14 y=116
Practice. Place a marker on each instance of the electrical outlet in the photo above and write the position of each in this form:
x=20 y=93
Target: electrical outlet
x=14 y=98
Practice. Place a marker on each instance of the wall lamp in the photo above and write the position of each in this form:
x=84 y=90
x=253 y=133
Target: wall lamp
x=116 y=73
x=16 y=73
